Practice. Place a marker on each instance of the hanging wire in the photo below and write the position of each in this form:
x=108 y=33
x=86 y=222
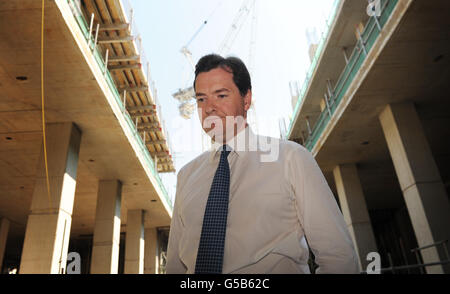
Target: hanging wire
x=43 y=100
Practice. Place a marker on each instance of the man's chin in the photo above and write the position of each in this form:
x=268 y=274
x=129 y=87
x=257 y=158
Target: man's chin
x=214 y=135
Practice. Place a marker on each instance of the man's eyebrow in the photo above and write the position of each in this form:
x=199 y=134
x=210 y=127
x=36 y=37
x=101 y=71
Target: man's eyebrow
x=215 y=92
x=221 y=90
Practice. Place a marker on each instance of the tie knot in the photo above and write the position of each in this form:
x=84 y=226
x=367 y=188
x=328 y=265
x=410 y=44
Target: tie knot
x=225 y=150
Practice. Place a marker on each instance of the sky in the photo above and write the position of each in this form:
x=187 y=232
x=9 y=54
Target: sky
x=280 y=55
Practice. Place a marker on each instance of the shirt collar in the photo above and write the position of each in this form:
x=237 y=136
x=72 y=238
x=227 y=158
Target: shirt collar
x=239 y=144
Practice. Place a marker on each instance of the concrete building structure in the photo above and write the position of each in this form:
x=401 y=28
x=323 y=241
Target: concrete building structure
x=96 y=190
x=375 y=113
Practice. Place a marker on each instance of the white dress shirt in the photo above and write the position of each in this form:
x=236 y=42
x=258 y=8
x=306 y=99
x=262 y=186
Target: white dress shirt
x=275 y=202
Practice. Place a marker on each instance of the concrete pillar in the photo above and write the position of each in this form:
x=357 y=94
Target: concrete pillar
x=151 y=260
x=134 y=242
x=419 y=179
x=354 y=209
x=105 y=249
x=4 y=229
x=48 y=227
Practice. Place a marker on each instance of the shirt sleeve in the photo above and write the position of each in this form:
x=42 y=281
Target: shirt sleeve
x=174 y=265
x=323 y=223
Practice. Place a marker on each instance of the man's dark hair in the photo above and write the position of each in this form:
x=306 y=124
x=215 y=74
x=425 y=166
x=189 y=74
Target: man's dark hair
x=234 y=65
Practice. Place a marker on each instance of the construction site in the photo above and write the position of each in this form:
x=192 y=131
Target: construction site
x=375 y=113
x=98 y=186
x=83 y=140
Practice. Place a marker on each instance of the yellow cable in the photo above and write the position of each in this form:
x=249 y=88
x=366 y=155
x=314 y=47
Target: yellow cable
x=43 y=110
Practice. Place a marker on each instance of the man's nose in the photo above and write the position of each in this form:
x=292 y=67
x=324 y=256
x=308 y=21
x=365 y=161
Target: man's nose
x=210 y=106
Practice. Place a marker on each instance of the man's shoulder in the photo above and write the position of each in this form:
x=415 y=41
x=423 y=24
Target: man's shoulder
x=286 y=147
x=193 y=164
x=293 y=146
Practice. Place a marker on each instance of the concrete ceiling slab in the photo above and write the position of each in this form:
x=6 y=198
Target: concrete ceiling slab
x=71 y=95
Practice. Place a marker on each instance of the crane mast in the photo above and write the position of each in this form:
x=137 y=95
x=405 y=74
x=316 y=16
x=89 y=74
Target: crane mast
x=236 y=26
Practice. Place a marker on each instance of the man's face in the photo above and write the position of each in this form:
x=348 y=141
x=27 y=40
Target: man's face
x=218 y=97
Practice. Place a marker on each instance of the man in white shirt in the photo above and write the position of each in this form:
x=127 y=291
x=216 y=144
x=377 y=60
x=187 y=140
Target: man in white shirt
x=276 y=194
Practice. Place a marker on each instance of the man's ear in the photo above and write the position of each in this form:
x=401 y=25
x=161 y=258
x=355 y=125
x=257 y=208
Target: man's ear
x=248 y=100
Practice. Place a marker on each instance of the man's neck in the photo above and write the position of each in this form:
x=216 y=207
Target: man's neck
x=224 y=140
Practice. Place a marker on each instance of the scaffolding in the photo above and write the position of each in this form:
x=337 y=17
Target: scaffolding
x=113 y=32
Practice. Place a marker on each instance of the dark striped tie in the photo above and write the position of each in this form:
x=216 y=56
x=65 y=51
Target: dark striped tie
x=212 y=238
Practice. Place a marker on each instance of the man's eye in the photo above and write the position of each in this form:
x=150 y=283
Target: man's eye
x=222 y=96
x=199 y=100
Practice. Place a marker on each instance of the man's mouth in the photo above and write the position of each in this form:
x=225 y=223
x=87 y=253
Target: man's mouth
x=211 y=122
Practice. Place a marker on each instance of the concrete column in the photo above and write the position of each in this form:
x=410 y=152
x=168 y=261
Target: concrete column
x=354 y=209
x=48 y=227
x=105 y=249
x=151 y=260
x=419 y=178
x=4 y=229
x=134 y=242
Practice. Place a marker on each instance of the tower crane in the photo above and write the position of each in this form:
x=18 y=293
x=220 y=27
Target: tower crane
x=185 y=96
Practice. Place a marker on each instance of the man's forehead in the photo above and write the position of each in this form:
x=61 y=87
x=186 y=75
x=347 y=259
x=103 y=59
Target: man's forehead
x=215 y=73
x=214 y=80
